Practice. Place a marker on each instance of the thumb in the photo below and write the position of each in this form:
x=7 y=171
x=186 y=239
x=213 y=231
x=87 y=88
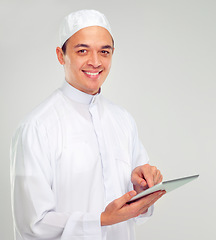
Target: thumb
x=125 y=198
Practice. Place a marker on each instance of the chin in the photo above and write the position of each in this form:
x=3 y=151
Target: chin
x=93 y=90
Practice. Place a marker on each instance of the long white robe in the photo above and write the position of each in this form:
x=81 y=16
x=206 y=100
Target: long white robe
x=71 y=157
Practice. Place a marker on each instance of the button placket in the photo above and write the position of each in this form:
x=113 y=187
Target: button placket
x=106 y=163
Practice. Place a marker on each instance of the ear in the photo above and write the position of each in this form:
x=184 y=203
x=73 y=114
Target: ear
x=60 y=55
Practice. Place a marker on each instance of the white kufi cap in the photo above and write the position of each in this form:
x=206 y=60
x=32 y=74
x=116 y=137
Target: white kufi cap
x=81 y=19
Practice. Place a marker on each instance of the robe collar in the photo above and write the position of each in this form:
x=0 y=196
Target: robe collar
x=79 y=96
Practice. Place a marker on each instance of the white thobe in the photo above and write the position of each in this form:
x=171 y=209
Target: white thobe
x=71 y=157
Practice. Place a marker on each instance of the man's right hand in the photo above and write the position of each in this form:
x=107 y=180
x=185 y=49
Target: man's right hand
x=119 y=210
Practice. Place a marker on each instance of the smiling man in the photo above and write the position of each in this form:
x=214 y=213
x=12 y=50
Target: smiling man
x=76 y=160
x=87 y=59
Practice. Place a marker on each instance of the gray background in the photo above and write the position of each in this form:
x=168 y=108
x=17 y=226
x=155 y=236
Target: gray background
x=163 y=73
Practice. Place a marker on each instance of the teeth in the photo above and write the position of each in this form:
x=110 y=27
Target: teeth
x=92 y=74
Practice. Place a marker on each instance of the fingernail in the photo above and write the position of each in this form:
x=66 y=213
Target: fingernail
x=143 y=184
x=132 y=193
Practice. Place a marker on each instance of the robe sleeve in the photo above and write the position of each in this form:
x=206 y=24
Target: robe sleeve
x=33 y=197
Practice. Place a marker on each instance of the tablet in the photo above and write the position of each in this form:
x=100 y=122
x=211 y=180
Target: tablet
x=165 y=185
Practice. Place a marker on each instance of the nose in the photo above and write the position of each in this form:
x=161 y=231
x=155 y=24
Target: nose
x=94 y=60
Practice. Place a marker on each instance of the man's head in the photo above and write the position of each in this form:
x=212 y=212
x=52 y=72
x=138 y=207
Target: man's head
x=86 y=50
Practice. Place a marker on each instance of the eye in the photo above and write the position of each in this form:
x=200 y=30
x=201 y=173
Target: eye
x=82 y=51
x=105 y=52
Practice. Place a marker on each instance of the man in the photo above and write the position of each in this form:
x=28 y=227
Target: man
x=77 y=158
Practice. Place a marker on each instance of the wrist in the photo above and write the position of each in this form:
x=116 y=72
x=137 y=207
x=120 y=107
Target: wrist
x=103 y=219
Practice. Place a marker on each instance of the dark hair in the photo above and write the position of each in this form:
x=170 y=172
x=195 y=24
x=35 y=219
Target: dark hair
x=64 y=46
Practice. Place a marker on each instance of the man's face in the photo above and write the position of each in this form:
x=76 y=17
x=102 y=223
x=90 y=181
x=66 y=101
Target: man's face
x=87 y=60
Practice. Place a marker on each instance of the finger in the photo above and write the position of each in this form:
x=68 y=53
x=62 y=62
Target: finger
x=120 y=202
x=149 y=179
x=149 y=198
x=143 y=204
x=138 y=180
x=156 y=197
x=153 y=176
x=144 y=209
x=158 y=177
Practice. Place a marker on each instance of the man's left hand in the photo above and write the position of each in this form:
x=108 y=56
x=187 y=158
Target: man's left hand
x=145 y=176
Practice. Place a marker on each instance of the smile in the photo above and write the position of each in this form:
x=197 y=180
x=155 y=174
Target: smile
x=92 y=74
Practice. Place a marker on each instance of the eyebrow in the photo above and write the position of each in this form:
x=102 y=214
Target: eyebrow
x=82 y=45
x=107 y=47
x=87 y=46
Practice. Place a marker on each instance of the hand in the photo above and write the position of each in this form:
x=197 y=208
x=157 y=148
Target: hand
x=119 y=211
x=144 y=177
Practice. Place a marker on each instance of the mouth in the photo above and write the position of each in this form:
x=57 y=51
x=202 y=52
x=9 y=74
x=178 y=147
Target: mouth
x=92 y=74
